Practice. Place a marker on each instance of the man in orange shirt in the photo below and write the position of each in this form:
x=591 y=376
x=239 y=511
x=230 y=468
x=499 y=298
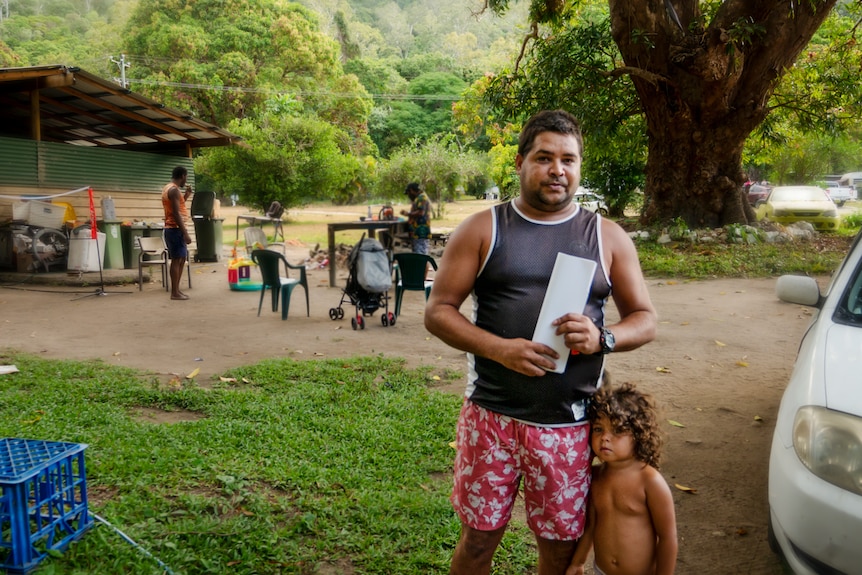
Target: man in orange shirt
x=177 y=235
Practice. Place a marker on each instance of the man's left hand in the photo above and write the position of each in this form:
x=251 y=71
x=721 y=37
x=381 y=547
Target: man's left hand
x=579 y=332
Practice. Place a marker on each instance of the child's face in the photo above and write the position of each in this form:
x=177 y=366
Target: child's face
x=608 y=445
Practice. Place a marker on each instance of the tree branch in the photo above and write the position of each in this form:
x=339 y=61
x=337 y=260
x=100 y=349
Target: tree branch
x=650 y=77
x=480 y=11
x=855 y=27
x=534 y=34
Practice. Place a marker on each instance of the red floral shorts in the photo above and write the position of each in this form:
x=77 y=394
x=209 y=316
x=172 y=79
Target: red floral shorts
x=495 y=452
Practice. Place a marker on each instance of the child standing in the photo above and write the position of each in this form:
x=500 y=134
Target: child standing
x=630 y=520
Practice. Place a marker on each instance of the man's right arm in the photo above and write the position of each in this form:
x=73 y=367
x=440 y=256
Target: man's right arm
x=453 y=282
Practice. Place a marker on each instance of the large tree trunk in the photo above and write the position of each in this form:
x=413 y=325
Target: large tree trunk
x=693 y=171
x=703 y=91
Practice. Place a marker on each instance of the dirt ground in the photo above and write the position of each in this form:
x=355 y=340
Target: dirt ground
x=721 y=360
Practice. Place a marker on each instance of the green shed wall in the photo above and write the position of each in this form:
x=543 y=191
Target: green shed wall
x=133 y=179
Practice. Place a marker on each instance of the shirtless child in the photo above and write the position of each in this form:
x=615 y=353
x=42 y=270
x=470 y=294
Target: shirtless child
x=630 y=521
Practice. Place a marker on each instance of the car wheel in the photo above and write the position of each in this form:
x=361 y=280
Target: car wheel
x=840 y=204
x=602 y=212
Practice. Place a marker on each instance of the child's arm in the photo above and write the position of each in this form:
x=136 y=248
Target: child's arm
x=660 y=504
x=585 y=543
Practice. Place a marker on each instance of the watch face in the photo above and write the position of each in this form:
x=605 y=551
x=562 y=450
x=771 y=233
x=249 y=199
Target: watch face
x=608 y=340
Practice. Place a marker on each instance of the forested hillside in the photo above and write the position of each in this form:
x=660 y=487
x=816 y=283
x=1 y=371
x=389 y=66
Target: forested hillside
x=88 y=33
x=321 y=89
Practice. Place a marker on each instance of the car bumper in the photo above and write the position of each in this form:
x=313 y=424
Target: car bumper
x=818 y=223
x=815 y=523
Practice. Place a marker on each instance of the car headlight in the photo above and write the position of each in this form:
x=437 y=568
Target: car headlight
x=829 y=443
x=830 y=213
x=780 y=212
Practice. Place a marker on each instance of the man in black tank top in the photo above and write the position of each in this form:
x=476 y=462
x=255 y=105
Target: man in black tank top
x=520 y=421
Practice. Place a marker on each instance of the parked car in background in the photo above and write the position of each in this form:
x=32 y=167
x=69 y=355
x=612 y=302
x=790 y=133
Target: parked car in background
x=815 y=463
x=789 y=204
x=850 y=179
x=838 y=193
x=590 y=201
x=757 y=193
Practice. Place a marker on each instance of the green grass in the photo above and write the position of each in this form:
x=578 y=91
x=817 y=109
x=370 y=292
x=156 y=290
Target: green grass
x=299 y=464
x=703 y=261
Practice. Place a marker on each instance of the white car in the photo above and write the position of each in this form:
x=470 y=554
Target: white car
x=590 y=201
x=815 y=465
x=838 y=193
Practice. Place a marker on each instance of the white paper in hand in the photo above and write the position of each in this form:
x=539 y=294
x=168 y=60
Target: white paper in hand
x=568 y=290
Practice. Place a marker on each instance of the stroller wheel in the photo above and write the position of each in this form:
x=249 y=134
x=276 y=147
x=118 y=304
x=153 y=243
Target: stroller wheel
x=391 y=318
x=340 y=313
x=384 y=320
x=333 y=313
x=361 y=322
x=353 y=323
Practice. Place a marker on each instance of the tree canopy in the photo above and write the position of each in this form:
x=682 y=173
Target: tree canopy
x=294 y=160
x=702 y=74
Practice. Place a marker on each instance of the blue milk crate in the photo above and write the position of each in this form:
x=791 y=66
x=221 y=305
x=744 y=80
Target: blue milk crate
x=43 y=500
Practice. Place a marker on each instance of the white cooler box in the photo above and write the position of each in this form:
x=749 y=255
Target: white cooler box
x=83 y=255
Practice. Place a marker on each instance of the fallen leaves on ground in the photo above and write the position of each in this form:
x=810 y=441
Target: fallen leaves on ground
x=684 y=488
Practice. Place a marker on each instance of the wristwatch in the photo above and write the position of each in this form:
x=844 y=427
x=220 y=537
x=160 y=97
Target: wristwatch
x=606 y=340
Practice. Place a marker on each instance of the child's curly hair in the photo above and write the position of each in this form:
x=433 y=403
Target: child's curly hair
x=628 y=409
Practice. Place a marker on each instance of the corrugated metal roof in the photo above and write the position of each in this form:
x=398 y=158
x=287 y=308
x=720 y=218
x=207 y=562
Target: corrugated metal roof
x=78 y=108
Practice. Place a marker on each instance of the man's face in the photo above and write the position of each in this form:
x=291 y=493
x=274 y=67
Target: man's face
x=550 y=172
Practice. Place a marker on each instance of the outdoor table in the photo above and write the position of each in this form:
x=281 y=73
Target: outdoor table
x=258 y=221
x=393 y=226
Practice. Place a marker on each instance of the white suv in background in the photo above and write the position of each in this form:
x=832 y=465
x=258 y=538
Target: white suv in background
x=838 y=193
x=591 y=201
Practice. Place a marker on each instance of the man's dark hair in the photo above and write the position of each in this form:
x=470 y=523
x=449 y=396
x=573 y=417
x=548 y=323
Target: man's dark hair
x=412 y=187
x=179 y=172
x=558 y=121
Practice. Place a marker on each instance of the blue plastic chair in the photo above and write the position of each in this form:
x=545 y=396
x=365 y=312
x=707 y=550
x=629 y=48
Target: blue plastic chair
x=281 y=286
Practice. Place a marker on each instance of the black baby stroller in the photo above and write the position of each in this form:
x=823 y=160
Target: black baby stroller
x=369 y=280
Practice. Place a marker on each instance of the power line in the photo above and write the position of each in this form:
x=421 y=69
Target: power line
x=344 y=95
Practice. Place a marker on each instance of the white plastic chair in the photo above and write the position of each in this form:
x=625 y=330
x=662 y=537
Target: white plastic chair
x=154 y=252
x=255 y=238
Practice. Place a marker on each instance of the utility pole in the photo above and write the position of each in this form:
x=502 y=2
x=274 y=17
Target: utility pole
x=4 y=10
x=123 y=67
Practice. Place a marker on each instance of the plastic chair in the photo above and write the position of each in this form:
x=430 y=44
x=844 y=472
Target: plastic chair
x=255 y=239
x=270 y=270
x=410 y=270
x=153 y=253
